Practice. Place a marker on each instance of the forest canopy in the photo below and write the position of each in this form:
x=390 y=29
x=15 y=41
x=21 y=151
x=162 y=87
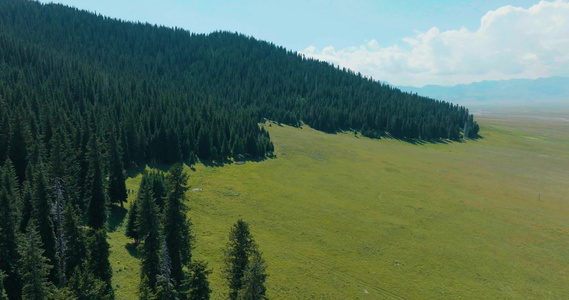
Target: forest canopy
x=167 y=94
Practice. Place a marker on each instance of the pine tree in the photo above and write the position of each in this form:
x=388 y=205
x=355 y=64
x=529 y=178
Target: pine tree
x=196 y=283
x=8 y=246
x=34 y=266
x=254 y=279
x=237 y=253
x=96 y=198
x=148 y=228
x=117 y=187
x=131 y=228
x=18 y=151
x=75 y=253
x=41 y=214
x=85 y=286
x=165 y=284
x=60 y=245
x=98 y=257
x=176 y=225
x=3 y=295
x=27 y=207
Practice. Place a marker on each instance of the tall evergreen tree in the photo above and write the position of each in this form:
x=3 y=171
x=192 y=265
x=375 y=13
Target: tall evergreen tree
x=27 y=206
x=117 y=187
x=34 y=266
x=75 y=251
x=131 y=224
x=42 y=208
x=148 y=228
x=176 y=225
x=196 y=283
x=8 y=246
x=96 y=197
x=60 y=245
x=18 y=147
x=98 y=257
x=3 y=295
x=166 y=283
x=254 y=279
x=237 y=253
x=85 y=286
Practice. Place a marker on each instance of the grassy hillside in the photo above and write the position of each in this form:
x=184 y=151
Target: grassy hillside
x=337 y=216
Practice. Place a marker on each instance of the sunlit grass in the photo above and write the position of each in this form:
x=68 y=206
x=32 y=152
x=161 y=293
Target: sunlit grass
x=337 y=216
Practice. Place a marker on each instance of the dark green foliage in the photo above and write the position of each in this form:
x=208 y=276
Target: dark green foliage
x=60 y=244
x=3 y=295
x=117 y=188
x=196 y=283
x=27 y=206
x=157 y=183
x=85 y=286
x=144 y=291
x=98 y=258
x=75 y=253
x=148 y=229
x=34 y=266
x=176 y=225
x=166 y=284
x=41 y=214
x=254 y=279
x=8 y=247
x=131 y=225
x=96 y=196
x=18 y=147
x=237 y=253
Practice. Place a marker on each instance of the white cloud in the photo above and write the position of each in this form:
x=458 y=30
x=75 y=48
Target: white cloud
x=511 y=42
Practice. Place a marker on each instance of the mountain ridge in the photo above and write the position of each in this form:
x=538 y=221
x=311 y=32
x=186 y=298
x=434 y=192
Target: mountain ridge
x=553 y=88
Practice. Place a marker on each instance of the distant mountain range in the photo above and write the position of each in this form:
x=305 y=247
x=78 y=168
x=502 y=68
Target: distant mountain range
x=499 y=92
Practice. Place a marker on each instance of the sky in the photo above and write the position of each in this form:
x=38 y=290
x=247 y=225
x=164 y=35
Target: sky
x=405 y=42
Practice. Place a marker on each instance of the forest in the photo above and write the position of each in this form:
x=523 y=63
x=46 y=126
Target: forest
x=84 y=97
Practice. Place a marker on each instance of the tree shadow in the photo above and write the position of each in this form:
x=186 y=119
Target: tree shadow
x=116 y=217
x=132 y=250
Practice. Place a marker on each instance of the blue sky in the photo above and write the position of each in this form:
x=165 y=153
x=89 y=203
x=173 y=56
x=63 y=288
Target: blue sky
x=406 y=42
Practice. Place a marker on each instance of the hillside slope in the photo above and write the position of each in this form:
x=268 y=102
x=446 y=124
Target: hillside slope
x=216 y=77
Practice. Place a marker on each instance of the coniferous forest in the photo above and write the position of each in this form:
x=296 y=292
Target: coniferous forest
x=84 y=97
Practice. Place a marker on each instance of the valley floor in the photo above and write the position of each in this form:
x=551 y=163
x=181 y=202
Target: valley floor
x=345 y=217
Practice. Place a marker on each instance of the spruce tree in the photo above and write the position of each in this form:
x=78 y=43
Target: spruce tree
x=34 y=266
x=148 y=228
x=117 y=187
x=41 y=214
x=27 y=206
x=8 y=246
x=18 y=151
x=98 y=258
x=96 y=198
x=176 y=225
x=85 y=286
x=254 y=278
x=60 y=245
x=75 y=251
x=166 y=284
x=237 y=253
x=3 y=295
x=131 y=228
x=196 y=283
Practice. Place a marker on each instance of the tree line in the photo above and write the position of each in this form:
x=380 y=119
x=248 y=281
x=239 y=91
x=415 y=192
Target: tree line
x=52 y=249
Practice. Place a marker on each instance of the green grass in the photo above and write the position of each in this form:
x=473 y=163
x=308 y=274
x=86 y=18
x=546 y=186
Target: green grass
x=335 y=215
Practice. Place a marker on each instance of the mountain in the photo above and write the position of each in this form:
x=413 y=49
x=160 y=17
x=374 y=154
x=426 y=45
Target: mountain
x=178 y=84
x=502 y=91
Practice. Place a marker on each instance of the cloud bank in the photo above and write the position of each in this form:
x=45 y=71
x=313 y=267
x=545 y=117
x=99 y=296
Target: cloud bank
x=511 y=42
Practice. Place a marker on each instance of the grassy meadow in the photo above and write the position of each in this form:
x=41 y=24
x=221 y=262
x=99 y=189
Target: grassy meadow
x=339 y=216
